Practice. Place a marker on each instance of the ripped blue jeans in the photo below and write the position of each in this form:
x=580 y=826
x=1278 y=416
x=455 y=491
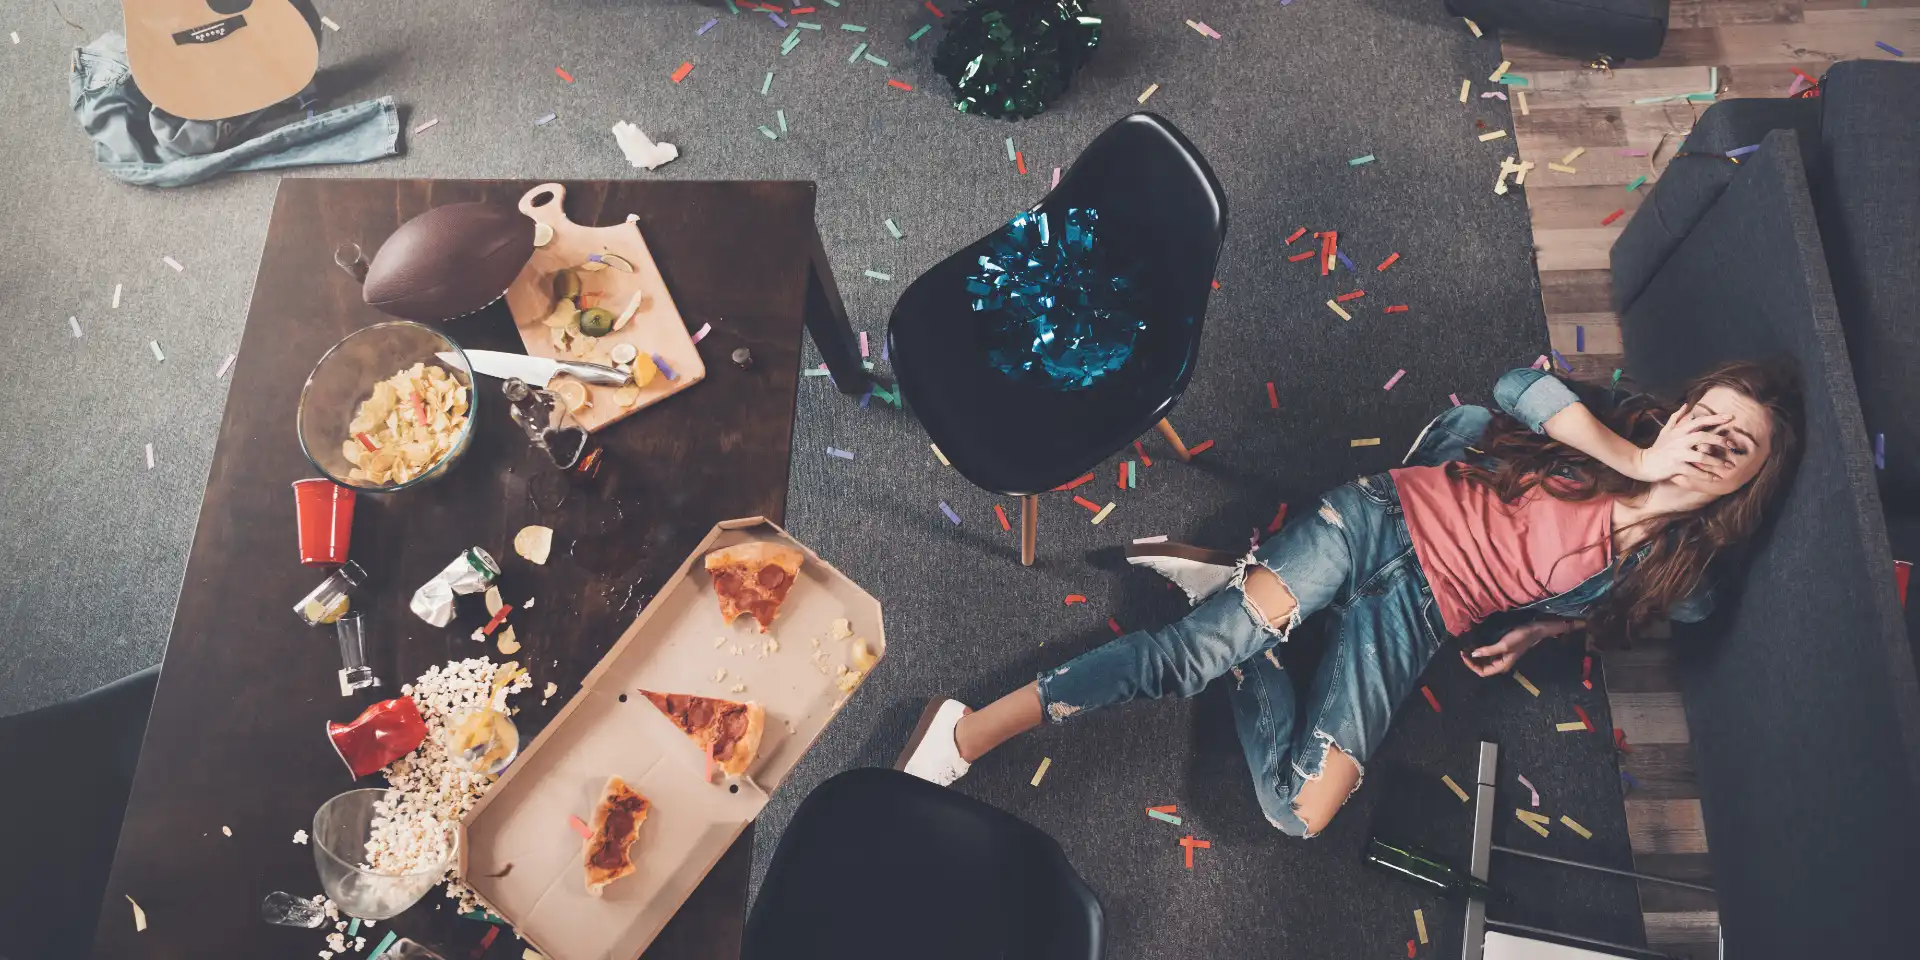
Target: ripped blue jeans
x=1353 y=558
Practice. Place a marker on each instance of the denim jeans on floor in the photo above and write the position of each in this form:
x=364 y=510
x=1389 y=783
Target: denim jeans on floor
x=141 y=144
x=1353 y=557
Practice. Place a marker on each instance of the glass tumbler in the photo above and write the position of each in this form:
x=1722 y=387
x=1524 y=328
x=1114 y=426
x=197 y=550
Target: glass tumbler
x=341 y=828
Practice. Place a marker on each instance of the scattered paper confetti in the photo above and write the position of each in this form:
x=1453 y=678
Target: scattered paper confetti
x=894 y=230
x=157 y=355
x=15 y=34
x=225 y=365
x=1583 y=717
x=853 y=28
x=1045 y=762
x=1344 y=315
x=1570 y=727
x=1142 y=451
x=876 y=61
x=1466 y=89
x=1359 y=161
x=1203 y=30
x=1200 y=448
x=701 y=334
x=579 y=826
x=387 y=941
x=681 y=74
x=116 y=296
x=1076 y=481
x=857 y=51
x=930 y=7
x=1528 y=816
x=1890 y=49
x=1303 y=255
x=1159 y=538
x=1432 y=700
x=944 y=508
x=1637 y=181
x=1355 y=295
x=1492 y=135
x=1142 y=98
x=329 y=24
x=1273 y=397
x=705 y=27
x=1530 y=789
x=1633 y=153
x=1391 y=259
x=1191 y=845
x=1611 y=217
x=1493 y=95
x=837 y=452
x=1586 y=672
x=1020 y=163
x=877 y=275
x=1500 y=71
x=781 y=117
x=1279 y=518
x=1394 y=379
x=1410 y=950
x=544 y=120
x=917 y=34
x=75 y=322
x=1524 y=682
x=1001 y=515
x=139 y=916
x=564 y=75
x=898 y=84
x=767 y=83
x=1462 y=794
x=1396 y=308
x=1560 y=167
x=938 y=455
x=1520 y=97
x=1477 y=34
x=1104 y=512
x=1419 y=918
x=171 y=262
x=1455 y=398
x=767 y=132
x=1584 y=833
x=1159 y=814
x=1073 y=598
x=1366 y=442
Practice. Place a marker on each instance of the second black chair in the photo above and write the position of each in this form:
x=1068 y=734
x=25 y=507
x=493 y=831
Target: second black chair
x=1161 y=219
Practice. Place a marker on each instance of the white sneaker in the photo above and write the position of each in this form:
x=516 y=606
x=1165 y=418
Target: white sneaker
x=1197 y=570
x=932 y=753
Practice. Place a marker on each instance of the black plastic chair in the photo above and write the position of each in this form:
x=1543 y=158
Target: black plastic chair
x=879 y=865
x=70 y=768
x=1161 y=209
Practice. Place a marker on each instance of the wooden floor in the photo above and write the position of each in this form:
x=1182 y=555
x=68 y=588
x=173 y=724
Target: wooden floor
x=1737 y=48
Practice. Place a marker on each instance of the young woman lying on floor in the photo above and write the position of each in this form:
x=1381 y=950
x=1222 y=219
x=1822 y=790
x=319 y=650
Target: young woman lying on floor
x=1545 y=511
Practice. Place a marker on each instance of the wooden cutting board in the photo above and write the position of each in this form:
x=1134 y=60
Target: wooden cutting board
x=657 y=329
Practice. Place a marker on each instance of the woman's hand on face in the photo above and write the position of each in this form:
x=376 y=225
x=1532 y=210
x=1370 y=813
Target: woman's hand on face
x=1497 y=658
x=1688 y=445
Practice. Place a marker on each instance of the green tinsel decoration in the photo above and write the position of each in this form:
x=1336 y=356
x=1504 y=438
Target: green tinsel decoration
x=1011 y=58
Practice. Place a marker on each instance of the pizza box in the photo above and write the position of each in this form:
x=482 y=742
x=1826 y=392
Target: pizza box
x=518 y=848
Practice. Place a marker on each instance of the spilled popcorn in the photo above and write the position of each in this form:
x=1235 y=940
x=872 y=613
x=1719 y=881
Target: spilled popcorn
x=429 y=786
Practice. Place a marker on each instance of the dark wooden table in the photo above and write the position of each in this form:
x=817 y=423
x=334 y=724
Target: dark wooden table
x=236 y=736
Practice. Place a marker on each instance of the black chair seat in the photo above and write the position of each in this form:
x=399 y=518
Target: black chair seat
x=1162 y=212
x=71 y=767
x=879 y=865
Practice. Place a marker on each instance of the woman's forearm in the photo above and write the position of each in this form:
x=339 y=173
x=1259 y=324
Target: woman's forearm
x=1577 y=427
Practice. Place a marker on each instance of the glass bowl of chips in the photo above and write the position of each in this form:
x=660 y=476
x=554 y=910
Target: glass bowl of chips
x=389 y=407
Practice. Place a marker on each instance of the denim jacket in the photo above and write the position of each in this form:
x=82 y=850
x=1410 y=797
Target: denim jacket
x=141 y=144
x=1533 y=397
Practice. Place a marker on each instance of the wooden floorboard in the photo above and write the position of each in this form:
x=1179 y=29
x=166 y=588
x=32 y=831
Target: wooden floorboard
x=1735 y=48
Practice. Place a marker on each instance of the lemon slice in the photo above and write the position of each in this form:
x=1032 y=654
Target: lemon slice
x=644 y=370
x=542 y=234
x=571 y=391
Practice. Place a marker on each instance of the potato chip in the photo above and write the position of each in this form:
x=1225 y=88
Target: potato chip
x=494 y=603
x=507 y=644
x=405 y=447
x=534 y=543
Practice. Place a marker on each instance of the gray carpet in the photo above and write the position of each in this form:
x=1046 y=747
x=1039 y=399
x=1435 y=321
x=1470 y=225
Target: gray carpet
x=95 y=543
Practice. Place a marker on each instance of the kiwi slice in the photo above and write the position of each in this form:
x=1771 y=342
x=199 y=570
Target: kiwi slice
x=596 y=321
x=566 y=285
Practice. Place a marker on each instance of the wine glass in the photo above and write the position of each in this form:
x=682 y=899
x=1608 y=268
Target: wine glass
x=341 y=828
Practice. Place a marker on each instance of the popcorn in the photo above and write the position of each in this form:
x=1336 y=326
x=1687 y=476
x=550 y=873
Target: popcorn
x=430 y=787
x=300 y=837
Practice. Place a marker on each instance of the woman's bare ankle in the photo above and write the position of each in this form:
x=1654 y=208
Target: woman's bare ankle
x=970 y=750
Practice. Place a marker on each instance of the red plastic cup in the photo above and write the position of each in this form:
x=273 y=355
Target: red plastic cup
x=325 y=512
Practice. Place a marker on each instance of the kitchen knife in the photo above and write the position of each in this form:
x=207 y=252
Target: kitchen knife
x=537 y=371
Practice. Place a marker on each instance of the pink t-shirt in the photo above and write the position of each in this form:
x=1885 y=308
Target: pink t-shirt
x=1482 y=555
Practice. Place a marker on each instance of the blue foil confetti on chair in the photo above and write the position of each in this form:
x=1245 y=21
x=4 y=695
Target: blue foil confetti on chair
x=1067 y=317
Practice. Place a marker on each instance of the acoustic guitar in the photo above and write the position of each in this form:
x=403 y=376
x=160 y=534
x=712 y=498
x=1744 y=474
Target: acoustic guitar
x=214 y=59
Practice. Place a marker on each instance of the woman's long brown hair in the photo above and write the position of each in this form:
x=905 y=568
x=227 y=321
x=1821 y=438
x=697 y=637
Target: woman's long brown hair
x=1679 y=546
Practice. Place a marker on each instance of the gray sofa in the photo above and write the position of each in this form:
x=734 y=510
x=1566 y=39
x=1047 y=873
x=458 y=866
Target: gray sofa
x=1800 y=693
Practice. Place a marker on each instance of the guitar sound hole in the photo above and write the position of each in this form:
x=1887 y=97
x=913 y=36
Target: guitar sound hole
x=229 y=7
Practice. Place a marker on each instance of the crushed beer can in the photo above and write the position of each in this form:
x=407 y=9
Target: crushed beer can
x=471 y=572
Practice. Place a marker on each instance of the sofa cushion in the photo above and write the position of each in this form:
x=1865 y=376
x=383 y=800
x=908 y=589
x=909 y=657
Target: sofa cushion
x=1867 y=194
x=1694 y=179
x=1622 y=28
x=1800 y=694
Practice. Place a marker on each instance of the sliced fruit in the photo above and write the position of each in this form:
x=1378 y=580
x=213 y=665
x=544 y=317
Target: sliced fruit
x=572 y=392
x=623 y=353
x=644 y=370
x=566 y=285
x=627 y=396
x=542 y=234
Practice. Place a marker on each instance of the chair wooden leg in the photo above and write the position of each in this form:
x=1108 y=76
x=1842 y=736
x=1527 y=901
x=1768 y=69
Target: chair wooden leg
x=1179 y=449
x=1029 y=527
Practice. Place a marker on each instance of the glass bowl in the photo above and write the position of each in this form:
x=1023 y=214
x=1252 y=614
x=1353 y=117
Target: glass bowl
x=341 y=828
x=345 y=377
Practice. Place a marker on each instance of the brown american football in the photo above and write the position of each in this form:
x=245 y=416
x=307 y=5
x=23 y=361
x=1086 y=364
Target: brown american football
x=449 y=261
